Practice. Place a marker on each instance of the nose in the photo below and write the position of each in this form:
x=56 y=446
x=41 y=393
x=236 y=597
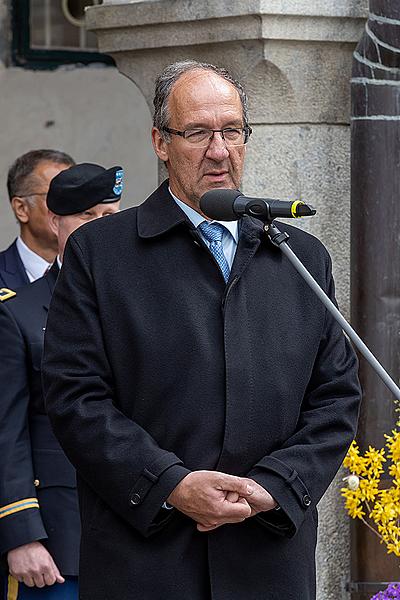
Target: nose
x=217 y=149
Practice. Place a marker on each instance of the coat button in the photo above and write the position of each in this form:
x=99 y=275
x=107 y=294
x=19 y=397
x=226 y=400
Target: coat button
x=36 y=483
x=306 y=500
x=135 y=499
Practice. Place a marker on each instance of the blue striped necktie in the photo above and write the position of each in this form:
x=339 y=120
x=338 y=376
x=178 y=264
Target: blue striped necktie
x=213 y=233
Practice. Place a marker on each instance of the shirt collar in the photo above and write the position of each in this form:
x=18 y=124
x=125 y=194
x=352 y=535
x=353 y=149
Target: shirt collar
x=35 y=266
x=196 y=218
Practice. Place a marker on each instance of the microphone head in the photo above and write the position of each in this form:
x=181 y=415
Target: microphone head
x=218 y=204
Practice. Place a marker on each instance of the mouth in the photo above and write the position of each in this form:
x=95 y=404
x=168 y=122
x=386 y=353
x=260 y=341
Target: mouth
x=216 y=175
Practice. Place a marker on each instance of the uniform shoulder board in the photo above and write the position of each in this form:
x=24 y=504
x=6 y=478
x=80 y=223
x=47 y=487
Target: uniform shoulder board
x=6 y=294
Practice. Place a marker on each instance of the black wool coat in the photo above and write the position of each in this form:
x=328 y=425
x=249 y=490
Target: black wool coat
x=154 y=367
x=38 y=497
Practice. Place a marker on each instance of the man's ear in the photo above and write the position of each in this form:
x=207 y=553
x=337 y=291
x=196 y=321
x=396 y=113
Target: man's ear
x=159 y=144
x=54 y=221
x=20 y=208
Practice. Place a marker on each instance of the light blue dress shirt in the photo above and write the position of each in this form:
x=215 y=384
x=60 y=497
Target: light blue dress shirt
x=35 y=266
x=231 y=230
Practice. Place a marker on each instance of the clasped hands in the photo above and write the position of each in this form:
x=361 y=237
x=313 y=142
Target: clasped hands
x=213 y=499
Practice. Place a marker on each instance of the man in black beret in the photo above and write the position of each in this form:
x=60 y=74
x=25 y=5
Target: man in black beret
x=39 y=519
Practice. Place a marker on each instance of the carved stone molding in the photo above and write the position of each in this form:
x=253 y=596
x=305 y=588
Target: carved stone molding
x=293 y=56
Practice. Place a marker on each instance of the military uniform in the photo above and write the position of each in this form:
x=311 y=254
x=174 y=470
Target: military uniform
x=12 y=270
x=38 y=499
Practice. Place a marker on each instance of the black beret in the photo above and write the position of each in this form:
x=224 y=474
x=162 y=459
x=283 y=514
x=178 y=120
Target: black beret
x=82 y=186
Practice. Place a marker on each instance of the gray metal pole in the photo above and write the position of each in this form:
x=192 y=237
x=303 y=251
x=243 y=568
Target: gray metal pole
x=375 y=247
x=275 y=233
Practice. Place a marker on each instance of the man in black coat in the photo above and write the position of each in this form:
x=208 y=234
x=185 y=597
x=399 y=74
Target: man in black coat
x=39 y=517
x=30 y=255
x=204 y=394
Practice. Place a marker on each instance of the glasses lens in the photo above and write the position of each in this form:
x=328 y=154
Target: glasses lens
x=198 y=136
x=232 y=136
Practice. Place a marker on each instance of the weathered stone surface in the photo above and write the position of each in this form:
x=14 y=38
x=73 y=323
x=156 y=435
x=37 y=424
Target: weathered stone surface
x=318 y=8
x=94 y=114
x=291 y=55
x=5 y=37
x=309 y=162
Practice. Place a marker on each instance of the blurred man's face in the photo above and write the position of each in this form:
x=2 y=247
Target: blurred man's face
x=63 y=226
x=30 y=208
x=201 y=99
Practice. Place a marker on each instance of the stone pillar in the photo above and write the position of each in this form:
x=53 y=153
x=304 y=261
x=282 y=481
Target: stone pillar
x=5 y=38
x=294 y=57
x=376 y=253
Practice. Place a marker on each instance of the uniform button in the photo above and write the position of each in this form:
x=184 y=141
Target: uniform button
x=306 y=500
x=135 y=499
x=36 y=483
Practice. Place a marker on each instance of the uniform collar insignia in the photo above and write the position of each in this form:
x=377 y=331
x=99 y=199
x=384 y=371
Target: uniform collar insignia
x=6 y=294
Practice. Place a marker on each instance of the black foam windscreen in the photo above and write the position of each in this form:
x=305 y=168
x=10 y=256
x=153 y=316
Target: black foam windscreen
x=218 y=204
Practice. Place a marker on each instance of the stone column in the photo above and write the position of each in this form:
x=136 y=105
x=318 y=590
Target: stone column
x=5 y=38
x=294 y=57
x=376 y=253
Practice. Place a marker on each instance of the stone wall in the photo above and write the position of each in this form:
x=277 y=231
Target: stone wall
x=93 y=113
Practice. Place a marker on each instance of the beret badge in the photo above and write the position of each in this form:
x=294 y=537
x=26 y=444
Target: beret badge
x=119 y=182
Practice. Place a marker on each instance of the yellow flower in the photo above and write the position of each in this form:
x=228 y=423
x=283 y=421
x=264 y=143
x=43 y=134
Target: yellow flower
x=382 y=506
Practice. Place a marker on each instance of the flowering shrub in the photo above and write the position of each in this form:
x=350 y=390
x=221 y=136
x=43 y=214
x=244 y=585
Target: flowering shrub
x=391 y=593
x=377 y=508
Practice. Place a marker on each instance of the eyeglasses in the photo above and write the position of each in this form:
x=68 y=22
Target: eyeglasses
x=201 y=138
x=31 y=194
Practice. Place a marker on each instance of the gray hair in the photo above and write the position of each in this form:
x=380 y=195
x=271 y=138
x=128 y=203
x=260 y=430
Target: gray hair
x=20 y=172
x=170 y=75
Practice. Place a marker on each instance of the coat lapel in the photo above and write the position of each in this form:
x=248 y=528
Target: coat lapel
x=51 y=278
x=159 y=213
x=251 y=231
x=14 y=272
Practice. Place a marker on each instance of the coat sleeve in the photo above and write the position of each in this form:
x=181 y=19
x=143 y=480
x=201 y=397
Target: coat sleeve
x=116 y=457
x=20 y=518
x=298 y=473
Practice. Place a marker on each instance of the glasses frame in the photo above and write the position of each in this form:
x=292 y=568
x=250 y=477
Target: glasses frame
x=247 y=130
x=32 y=194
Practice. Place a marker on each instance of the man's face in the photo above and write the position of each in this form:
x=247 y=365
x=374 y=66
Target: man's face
x=201 y=99
x=32 y=211
x=63 y=226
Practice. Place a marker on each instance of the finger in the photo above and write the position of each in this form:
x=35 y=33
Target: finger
x=235 y=484
x=205 y=528
x=49 y=577
x=58 y=577
x=232 y=496
x=235 y=509
x=244 y=502
x=38 y=580
x=27 y=580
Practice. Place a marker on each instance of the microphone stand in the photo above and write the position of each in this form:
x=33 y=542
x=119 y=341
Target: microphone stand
x=279 y=239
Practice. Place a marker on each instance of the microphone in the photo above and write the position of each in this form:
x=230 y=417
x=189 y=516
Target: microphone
x=230 y=205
